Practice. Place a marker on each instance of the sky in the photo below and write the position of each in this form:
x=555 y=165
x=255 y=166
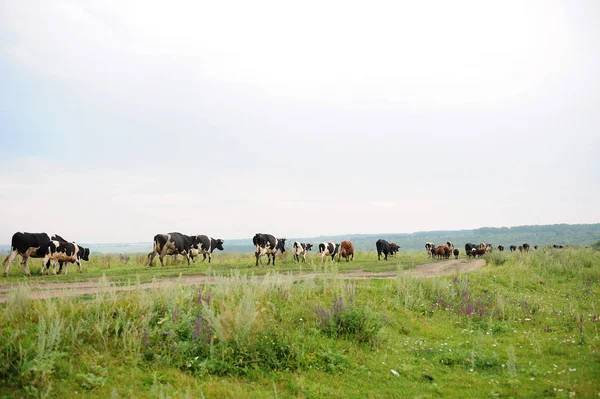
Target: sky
x=123 y=119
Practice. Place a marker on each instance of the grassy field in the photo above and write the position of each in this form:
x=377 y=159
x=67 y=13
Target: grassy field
x=526 y=325
x=122 y=272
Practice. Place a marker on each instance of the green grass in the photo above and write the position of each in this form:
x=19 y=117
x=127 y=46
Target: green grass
x=119 y=272
x=525 y=326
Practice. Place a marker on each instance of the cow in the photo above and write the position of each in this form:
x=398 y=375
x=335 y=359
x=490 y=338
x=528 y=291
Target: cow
x=521 y=248
x=124 y=258
x=328 y=249
x=383 y=247
x=267 y=244
x=456 y=252
x=394 y=248
x=501 y=248
x=28 y=245
x=433 y=252
x=535 y=247
x=428 y=247
x=443 y=251
x=526 y=247
x=469 y=247
x=478 y=252
x=300 y=250
x=204 y=245
x=558 y=246
x=346 y=251
x=60 y=252
x=171 y=244
x=513 y=248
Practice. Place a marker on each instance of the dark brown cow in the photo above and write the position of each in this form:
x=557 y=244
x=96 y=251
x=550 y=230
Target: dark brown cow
x=456 y=252
x=346 y=251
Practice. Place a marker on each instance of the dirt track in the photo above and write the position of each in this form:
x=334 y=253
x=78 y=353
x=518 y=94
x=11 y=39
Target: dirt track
x=51 y=290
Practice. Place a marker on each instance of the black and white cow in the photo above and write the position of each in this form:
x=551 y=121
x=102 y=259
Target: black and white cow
x=267 y=244
x=300 y=250
x=327 y=249
x=428 y=247
x=60 y=252
x=171 y=244
x=205 y=245
x=28 y=245
x=513 y=248
x=500 y=248
x=383 y=247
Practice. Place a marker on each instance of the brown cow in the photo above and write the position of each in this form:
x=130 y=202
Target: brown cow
x=520 y=248
x=346 y=251
x=456 y=252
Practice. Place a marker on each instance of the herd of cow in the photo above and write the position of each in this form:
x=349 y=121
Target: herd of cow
x=472 y=250
x=56 y=251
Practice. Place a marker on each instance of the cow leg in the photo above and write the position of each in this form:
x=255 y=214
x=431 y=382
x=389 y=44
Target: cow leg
x=204 y=258
x=151 y=256
x=269 y=259
x=209 y=257
x=274 y=258
x=25 y=267
x=353 y=257
x=67 y=268
x=161 y=258
x=79 y=264
x=188 y=258
x=257 y=255
x=9 y=260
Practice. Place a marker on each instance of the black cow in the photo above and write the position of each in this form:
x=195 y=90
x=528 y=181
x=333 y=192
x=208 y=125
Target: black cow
x=501 y=248
x=513 y=248
x=383 y=247
x=267 y=244
x=171 y=244
x=28 y=245
x=300 y=250
x=204 y=245
x=469 y=247
x=328 y=248
x=60 y=252
x=526 y=247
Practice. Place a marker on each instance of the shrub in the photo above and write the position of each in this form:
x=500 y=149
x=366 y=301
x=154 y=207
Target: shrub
x=349 y=322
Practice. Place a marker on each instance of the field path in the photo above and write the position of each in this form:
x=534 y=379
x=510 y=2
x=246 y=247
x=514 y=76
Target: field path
x=51 y=290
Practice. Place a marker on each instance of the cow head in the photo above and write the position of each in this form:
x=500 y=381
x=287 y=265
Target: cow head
x=337 y=248
x=308 y=247
x=280 y=245
x=219 y=244
x=84 y=253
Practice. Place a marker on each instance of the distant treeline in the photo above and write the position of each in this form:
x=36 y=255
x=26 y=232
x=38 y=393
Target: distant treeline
x=565 y=234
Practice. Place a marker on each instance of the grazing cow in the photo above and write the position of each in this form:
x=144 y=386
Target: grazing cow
x=428 y=247
x=60 y=252
x=383 y=247
x=28 y=245
x=124 y=258
x=469 y=247
x=346 y=251
x=171 y=244
x=300 y=250
x=327 y=249
x=394 y=248
x=204 y=245
x=558 y=246
x=456 y=252
x=535 y=247
x=501 y=248
x=521 y=248
x=267 y=244
x=526 y=247
x=513 y=248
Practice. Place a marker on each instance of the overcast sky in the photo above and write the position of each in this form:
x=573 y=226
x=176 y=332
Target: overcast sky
x=123 y=119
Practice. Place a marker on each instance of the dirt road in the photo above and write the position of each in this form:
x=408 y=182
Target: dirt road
x=51 y=290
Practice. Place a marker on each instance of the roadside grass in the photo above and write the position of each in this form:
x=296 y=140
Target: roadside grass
x=526 y=325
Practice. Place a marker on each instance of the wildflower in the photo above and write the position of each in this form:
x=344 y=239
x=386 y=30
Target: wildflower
x=397 y=374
